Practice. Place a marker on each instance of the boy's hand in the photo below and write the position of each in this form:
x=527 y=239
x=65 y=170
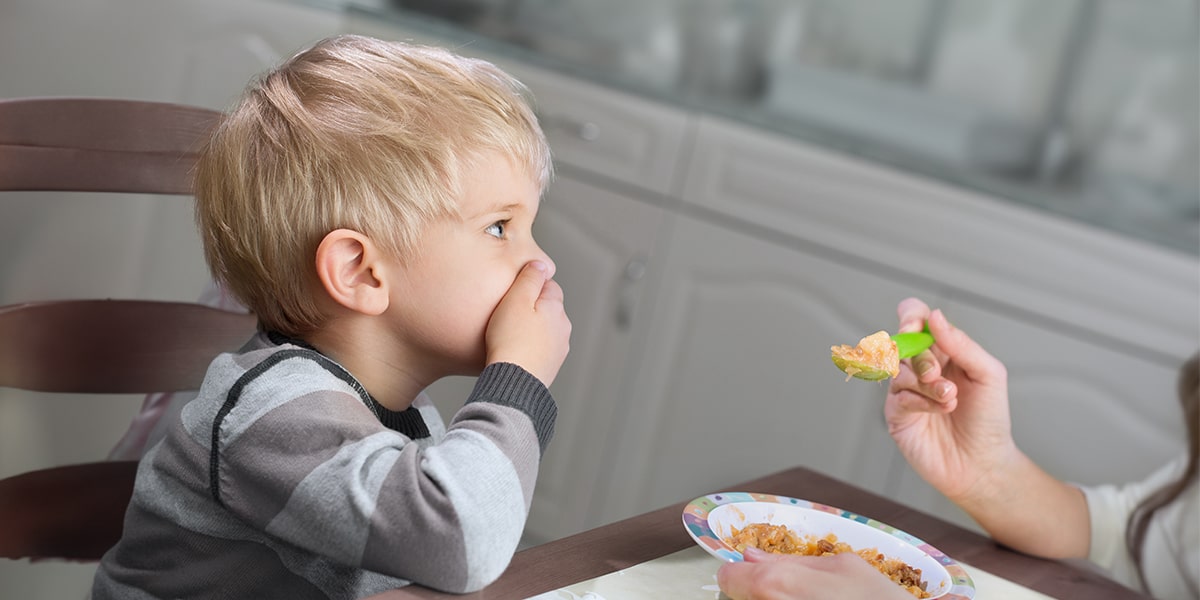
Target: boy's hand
x=529 y=327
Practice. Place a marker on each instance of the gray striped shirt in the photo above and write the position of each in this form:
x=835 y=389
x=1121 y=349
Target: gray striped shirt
x=285 y=479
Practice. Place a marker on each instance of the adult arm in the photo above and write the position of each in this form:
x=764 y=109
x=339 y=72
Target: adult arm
x=948 y=412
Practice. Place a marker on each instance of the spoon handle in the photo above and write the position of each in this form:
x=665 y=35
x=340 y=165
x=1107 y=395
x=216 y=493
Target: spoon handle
x=911 y=344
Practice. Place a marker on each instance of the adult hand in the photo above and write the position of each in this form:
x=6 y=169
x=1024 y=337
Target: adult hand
x=766 y=576
x=948 y=409
x=529 y=327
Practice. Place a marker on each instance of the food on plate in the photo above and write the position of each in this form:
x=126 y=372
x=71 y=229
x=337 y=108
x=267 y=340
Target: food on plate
x=781 y=540
x=875 y=357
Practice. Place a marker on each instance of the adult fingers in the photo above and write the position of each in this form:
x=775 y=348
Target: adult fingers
x=927 y=367
x=963 y=351
x=913 y=313
x=939 y=395
x=756 y=555
x=768 y=580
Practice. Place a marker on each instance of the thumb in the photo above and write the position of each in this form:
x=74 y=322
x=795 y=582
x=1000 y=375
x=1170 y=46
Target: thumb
x=736 y=578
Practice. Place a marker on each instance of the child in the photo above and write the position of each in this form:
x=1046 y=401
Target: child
x=371 y=203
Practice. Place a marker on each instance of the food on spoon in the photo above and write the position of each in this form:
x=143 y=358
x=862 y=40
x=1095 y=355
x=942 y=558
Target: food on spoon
x=781 y=540
x=875 y=357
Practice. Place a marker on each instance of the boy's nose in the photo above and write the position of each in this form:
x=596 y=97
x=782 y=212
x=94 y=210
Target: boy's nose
x=550 y=266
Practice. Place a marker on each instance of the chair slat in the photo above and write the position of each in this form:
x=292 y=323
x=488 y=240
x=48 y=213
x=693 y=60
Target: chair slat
x=98 y=346
x=74 y=512
x=114 y=346
x=71 y=170
x=105 y=124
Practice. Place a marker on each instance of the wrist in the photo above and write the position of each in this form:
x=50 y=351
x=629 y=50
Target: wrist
x=997 y=483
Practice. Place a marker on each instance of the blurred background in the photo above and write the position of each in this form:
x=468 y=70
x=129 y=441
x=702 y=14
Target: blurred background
x=1087 y=108
x=1071 y=126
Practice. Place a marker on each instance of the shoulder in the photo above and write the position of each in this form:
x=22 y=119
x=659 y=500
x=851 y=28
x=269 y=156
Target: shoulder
x=283 y=366
x=264 y=378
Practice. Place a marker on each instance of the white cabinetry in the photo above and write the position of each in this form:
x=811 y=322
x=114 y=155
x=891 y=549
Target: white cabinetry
x=615 y=159
x=708 y=266
x=735 y=380
x=1092 y=361
x=600 y=242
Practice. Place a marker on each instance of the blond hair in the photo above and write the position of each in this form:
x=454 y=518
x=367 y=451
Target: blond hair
x=354 y=133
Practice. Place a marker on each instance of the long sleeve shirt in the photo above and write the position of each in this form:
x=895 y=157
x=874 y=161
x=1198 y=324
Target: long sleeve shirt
x=285 y=479
x=1171 y=551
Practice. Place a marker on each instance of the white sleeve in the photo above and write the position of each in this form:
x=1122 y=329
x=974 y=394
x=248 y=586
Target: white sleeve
x=1109 y=507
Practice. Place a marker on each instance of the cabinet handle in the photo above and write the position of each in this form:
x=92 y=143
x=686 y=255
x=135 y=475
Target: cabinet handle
x=587 y=131
x=627 y=291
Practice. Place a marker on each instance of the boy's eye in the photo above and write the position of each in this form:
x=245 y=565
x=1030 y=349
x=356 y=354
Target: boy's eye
x=497 y=229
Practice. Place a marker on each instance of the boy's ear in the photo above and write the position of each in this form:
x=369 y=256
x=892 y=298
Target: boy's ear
x=352 y=271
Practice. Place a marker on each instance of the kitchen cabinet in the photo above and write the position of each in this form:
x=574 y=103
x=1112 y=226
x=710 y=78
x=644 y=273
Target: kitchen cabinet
x=1090 y=363
x=735 y=379
x=615 y=163
x=600 y=242
x=700 y=350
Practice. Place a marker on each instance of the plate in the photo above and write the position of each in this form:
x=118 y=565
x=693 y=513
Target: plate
x=708 y=520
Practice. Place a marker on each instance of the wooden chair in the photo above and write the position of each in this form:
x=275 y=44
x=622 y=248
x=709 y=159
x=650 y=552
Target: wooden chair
x=98 y=346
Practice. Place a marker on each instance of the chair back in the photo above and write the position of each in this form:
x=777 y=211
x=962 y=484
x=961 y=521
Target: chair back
x=98 y=346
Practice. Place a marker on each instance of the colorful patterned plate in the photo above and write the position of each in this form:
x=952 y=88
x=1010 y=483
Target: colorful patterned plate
x=708 y=520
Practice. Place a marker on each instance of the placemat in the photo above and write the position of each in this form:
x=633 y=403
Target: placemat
x=692 y=575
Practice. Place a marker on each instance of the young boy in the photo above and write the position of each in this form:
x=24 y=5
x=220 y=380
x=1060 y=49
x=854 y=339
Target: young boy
x=371 y=202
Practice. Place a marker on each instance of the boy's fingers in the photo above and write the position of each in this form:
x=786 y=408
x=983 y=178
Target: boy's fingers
x=530 y=281
x=551 y=291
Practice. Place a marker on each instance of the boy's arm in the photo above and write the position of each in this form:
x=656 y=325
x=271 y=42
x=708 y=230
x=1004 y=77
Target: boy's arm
x=448 y=516
x=456 y=510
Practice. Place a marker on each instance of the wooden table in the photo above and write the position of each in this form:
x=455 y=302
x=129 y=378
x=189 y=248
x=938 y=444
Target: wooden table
x=654 y=534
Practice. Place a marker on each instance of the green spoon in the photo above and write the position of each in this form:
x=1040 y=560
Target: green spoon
x=908 y=345
x=913 y=343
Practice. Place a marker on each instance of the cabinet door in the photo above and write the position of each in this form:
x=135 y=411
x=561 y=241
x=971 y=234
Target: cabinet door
x=734 y=379
x=1127 y=293
x=1085 y=411
x=600 y=242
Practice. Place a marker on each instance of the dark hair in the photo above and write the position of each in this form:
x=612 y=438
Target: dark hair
x=1139 y=520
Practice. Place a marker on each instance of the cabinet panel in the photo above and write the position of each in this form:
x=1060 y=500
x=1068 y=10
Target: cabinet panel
x=1113 y=289
x=1086 y=413
x=734 y=378
x=613 y=134
x=600 y=242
